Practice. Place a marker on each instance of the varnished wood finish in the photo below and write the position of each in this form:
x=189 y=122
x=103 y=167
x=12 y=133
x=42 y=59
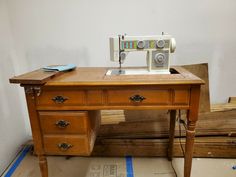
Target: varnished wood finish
x=77 y=122
x=171 y=134
x=105 y=97
x=80 y=132
x=151 y=97
x=80 y=145
x=72 y=97
x=90 y=89
x=43 y=165
x=192 y=117
x=34 y=121
x=97 y=76
x=181 y=96
x=35 y=77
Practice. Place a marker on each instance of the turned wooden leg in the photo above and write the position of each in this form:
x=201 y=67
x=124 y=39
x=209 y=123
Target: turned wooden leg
x=43 y=165
x=192 y=117
x=171 y=134
x=190 y=134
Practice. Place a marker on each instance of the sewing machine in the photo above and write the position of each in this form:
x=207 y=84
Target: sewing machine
x=158 y=49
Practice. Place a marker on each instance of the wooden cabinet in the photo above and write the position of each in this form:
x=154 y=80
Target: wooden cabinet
x=64 y=106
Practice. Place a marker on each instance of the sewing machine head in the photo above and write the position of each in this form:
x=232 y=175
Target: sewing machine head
x=158 y=50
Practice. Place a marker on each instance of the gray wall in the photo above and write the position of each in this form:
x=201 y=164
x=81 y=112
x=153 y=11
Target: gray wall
x=13 y=131
x=77 y=31
x=38 y=33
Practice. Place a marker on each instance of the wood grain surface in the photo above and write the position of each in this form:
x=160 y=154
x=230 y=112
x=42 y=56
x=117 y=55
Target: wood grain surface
x=35 y=77
x=70 y=91
x=97 y=76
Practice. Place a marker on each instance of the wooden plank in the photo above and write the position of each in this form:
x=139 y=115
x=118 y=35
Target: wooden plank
x=232 y=100
x=221 y=123
x=223 y=107
x=112 y=117
x=204 y=147
x=35 y=77
x=201 y=70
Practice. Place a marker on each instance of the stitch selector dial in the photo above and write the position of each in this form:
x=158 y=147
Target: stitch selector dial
x=159 y=59
x=160 y=43
x=140 y=44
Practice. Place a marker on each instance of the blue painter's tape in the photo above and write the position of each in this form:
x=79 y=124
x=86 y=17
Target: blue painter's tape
x=18 y=161
x=129 y=166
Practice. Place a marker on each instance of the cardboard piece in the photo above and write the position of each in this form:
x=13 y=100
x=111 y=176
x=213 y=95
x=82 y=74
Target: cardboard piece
x=117 y=167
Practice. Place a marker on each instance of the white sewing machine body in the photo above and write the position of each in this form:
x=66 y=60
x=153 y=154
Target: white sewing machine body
x=158 y=50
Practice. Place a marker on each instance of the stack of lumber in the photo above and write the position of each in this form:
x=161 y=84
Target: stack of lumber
x=145 y=133
x=112 y=117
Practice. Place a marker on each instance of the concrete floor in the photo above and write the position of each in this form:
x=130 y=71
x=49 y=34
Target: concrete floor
x=116 y=167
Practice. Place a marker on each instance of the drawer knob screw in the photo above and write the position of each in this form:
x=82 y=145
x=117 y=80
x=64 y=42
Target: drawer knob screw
x=137 y=98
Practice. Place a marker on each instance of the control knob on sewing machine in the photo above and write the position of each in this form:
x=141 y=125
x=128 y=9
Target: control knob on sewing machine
x=140 y=44
x=160 y=43
x=159 y=59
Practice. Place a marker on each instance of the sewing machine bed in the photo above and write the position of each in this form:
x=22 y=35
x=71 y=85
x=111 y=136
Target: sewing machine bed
x=135 y=72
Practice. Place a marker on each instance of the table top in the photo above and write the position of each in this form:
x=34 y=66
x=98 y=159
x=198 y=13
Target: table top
x=90 y=76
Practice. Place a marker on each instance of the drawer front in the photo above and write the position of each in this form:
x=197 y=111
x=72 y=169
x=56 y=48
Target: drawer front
x=53 y=122
x=138 y=97
x=181 y=96
x=61 y=98
x=67 y=145
x=73 y=99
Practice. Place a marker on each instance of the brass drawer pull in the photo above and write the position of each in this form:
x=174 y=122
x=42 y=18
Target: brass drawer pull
x=64 y=146
x=59 y=99
x=137 y=98
x=62 y=123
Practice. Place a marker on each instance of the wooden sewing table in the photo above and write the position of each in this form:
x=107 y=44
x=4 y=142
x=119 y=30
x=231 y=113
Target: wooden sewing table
x=64 y=107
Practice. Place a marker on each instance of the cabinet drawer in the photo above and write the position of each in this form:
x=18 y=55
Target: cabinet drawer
x=61 y=98
x=67 y=145
x=53 y=122
x=138 y=97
